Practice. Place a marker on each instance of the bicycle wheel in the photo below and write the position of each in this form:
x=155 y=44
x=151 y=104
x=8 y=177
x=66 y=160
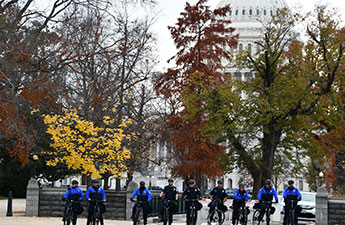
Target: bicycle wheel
x=209 y=218
x=165 y=216
x=292 y=217
x=244 y=217
x=237 y=221
x=98 y=216
x=255 y=219
x=136 y=216
x=268 y=216
x=193 y=217
x=68 y=217
x=220 y=217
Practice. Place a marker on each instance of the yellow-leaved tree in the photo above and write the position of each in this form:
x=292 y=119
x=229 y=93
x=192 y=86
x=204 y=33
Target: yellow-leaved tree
x=85 y=147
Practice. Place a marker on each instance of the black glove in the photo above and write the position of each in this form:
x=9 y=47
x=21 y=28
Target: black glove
x=64 y=199
x=132 y=200
x=299 y=199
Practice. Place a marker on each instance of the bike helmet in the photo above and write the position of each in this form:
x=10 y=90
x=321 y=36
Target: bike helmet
x=220 y=182
x=170 y=180
x=291 y=182
x=191 y=181
x=74 y=182
x=268 y=181
x=241 y=185
x=142 y=183
x=95 y=181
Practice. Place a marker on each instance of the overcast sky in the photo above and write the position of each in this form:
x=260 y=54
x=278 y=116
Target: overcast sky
x=170 y=10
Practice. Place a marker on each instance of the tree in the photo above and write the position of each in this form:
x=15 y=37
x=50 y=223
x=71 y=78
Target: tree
x=82 y=146
x=203 y=39
x=113 y=69
x=274 y=113
x=29 y=58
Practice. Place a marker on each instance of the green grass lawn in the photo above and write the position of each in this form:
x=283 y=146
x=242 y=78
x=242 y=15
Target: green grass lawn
x=55 y=188
x=3 y=198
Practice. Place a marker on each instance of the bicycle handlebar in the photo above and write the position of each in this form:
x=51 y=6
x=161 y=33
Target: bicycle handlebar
x=191 y=200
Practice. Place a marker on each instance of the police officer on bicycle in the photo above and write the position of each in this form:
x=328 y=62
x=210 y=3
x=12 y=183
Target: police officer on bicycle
x=170 y=193
x=240 y=198
x=95 y=192
x=75 y=194
x=266 y=194
x=218 y=194
x=192 y=193
x=143 y=196
x=291 y=193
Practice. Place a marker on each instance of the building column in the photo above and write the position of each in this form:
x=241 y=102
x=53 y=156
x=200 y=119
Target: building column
x=32 y=198
x=321 y=206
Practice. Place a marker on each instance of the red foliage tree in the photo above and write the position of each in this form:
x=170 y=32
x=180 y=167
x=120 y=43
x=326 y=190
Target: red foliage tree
x=203 y=38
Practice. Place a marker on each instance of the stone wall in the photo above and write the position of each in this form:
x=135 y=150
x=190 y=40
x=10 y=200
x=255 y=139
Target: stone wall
x=51 y=204
x=48 y=203
x=330 y=211
x=336 y=211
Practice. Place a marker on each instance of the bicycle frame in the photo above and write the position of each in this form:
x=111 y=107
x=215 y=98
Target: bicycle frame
x=96 y=212
x=215 y=214
x=192 y=210
x=68 y=215
x=139 y=209
x=267 y=213
x=166 y=211
x=292 y=211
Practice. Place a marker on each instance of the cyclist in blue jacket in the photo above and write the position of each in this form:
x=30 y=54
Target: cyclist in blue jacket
x=95 y=192
x=143 y=198
x=291 y=193
x=265 y=197
x=240 y=198
x=75 y=194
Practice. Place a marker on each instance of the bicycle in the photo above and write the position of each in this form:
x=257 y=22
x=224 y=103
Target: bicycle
x=138 y=212
x=216 y=215
x=166 y=211
x=256 y=215
x=242 y=214
x=192 y=220
x=97 y=212
x=292 y=211
x=68 y=214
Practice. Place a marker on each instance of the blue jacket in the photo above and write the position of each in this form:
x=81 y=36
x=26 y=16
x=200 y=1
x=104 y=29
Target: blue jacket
x=267 y=195
x=293 y=194
x=95 y=193
x=144 y=196
x=74 y=194
x=240 y=197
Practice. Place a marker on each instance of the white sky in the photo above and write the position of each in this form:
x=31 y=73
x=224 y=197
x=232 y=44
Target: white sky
x=170 y=10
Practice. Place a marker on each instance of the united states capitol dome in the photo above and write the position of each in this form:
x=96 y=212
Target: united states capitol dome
x=247 y=18
x=252 y=10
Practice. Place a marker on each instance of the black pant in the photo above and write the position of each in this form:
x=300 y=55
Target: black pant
x=90 y=211
x=188 y=205
x=288 y=206
x=236 y=206
x=75 y=208
x=145 y=207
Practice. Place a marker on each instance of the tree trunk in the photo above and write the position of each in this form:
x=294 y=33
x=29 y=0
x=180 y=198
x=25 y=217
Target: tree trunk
x=272 y=134
x=257 y=183
x=106 y=181
x=118 y=184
